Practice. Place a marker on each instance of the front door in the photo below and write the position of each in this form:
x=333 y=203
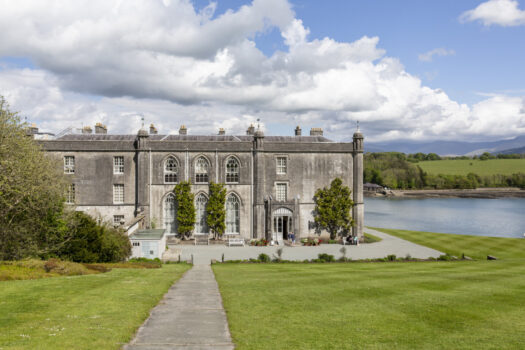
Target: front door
x=281 y=226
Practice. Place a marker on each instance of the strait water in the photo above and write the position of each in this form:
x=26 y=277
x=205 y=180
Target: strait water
x=473 y=216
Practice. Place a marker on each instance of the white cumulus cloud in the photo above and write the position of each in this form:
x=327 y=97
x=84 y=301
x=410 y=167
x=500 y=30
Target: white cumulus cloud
x=113 y=61
x=428 y=56
x=496 y=12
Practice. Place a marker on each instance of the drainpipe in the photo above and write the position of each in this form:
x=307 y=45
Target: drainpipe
x=149 y=189
x=252 y=196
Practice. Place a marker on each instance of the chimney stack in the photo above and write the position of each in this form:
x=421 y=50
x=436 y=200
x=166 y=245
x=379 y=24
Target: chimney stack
x=183 y=130
x=222 y=131
x=100 y=129
x=153 y=130
x=298 y=131
x=87 y=129
x=316 y=132
x=251 y=130
x=32 y=130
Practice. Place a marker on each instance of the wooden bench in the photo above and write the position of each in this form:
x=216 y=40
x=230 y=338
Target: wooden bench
x=235 y=241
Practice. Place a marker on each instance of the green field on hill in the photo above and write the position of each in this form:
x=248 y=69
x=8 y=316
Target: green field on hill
x=479 y=167
x=477 y=247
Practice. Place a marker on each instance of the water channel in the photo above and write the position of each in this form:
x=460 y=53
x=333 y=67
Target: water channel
x=503 y=217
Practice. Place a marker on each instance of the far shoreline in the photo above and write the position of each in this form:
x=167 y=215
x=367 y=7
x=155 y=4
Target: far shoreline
x=487 y=193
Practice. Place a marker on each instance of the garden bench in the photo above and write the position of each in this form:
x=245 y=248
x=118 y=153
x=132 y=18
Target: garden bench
x=235 y=241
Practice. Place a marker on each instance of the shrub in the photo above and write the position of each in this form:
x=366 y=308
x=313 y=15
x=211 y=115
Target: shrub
x=311 y=241
x=391 y=257
x=323 y=257
x=445 y=257
x=264 y=258
x=91 y=242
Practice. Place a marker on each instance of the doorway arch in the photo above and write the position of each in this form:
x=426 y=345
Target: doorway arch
x=282 y=223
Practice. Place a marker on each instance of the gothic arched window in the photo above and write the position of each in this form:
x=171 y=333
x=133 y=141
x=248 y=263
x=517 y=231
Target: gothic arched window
x=171 y=170
x=233 y=222
x=170 y=214
x=201 y=170
x=232 y=170
x=201 y=226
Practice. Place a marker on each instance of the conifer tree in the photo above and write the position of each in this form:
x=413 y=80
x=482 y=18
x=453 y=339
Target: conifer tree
x=332 y=208
x=185 y=208
x=216 y=209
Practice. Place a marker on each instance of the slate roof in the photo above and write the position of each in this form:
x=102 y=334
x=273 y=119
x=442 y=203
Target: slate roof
x=196 y=138
x=148 y=234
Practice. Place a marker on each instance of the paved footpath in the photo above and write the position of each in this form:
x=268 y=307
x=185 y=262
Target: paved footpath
x=190 y=317
x=203 y=254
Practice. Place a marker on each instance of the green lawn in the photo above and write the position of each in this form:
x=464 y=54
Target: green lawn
x=479 y=167
x=474 y=246
x=423 y=305
x=100 y=311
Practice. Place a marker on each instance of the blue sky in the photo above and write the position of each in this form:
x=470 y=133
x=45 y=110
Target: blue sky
x=313 y=63
x=486 y=59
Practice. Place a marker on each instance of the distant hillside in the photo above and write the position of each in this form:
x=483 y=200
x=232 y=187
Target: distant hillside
x=445 y=148
x=512 y=151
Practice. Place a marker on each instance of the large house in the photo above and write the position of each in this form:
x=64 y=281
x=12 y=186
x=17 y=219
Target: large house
x=270 y=180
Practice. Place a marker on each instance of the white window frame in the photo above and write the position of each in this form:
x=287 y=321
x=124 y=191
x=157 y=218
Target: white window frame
x=202 y=170
x=69 y=164
x=170 y=172
x=201 y=215
x=170 y=214
x=278 y=193
x=233 y=173
x=70 y=195
x=120 y=218
x=118 y=193
x=281 y=163
x=233 y=214
x=118 y=166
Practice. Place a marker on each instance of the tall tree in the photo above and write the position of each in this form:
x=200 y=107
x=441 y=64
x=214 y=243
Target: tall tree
x=185 y=208
x=332 y=208
x=216 y=209
x=32 y=189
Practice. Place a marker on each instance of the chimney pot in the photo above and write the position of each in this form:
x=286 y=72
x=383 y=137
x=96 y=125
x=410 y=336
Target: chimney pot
x=298 y=131
x=316 y=132
x=153 y=130
x=100 y=129
x=222 y=131
x=87 y=130
x=183 y=130
x=250 y=130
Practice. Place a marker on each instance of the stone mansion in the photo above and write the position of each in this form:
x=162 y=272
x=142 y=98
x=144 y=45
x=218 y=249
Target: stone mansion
x=270 y=180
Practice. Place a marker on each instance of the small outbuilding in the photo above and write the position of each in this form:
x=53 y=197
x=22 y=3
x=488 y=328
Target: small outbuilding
x=372 y=187
x=148 y=244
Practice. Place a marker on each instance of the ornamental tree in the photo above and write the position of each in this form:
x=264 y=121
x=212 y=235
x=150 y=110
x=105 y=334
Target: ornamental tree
x=185 y=208
x=32 y=190
x=216 y=209
x=332 y=208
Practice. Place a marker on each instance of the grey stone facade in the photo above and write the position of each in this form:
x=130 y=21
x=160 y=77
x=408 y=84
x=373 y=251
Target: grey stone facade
x=277 y=175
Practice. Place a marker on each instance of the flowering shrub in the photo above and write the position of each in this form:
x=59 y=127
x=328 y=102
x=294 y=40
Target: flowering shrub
x=311 y=241
x=259 y=242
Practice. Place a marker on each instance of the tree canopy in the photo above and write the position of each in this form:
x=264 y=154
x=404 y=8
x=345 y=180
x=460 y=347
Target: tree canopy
x=216 y=209
x=32 y=190
x=332 y=208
